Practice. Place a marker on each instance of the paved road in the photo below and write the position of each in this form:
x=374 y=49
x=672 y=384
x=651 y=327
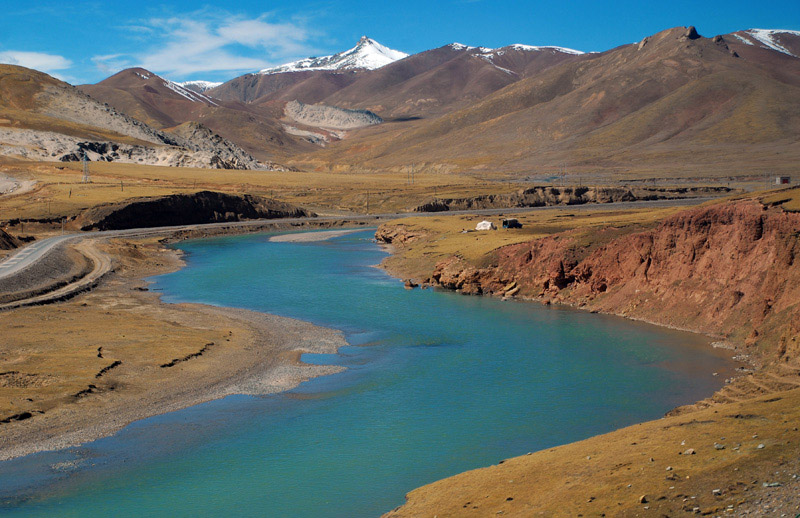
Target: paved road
x=30 y=254
x=25 y=257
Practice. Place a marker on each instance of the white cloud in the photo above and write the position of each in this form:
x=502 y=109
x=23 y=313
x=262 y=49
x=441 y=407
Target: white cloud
x=208 y=42
x=36 y=60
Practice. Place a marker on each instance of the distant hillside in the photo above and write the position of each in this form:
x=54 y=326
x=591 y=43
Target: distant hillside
x=164 y=104
x=675 y=100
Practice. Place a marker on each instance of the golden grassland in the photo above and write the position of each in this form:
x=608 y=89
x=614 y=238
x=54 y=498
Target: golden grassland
x=59 y=190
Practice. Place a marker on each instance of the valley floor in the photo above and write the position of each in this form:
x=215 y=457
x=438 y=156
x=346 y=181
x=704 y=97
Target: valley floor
x=117 y=354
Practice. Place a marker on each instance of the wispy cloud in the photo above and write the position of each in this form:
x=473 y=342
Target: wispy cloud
x=37 y=60
x=209 y=42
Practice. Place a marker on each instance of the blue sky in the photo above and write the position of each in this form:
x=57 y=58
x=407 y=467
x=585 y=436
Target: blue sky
x=86 y=41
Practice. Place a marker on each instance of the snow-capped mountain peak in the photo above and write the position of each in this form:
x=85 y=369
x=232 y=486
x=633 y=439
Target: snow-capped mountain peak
x=368 y=54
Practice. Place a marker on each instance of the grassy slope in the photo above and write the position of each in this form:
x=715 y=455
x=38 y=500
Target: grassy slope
x=609 y=474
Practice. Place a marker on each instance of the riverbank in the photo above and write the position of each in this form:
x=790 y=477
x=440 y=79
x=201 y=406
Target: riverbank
x=83 y=369
x=727 y=270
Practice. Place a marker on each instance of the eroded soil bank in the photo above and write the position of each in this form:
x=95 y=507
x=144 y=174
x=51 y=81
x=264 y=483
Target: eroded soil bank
x=728 y=270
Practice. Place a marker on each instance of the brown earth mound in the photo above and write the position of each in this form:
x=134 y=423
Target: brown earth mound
x=185 y=209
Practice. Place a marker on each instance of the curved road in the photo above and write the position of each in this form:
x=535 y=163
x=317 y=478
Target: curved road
x=27 y=256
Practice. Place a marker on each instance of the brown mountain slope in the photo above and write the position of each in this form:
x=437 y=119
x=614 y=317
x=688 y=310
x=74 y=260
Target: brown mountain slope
x=421 y=85
x=42 y=118
x=308 y=87
x=164 y=104
x=673 y=100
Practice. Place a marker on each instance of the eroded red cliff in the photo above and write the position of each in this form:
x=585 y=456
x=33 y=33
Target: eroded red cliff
x=727 y=270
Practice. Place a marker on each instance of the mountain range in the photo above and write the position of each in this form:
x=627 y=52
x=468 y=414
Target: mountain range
x=721 y=105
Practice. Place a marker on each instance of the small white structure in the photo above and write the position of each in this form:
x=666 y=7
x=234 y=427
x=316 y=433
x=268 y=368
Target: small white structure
x=485 y=225
x=782 y=180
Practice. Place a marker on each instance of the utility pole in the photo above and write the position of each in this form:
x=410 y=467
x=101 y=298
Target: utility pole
x=367 y=202
x=85 y=161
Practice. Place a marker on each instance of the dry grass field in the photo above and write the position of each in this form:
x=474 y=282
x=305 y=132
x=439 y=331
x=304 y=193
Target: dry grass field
x=59 y=191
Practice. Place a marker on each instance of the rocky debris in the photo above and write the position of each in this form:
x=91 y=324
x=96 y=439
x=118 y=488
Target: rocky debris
x=224 y=154
x=410 y=284
x=548 y=196
x=185 y=209
x=321 y=116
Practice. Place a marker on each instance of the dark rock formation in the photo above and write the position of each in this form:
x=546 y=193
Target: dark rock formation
x=185 y=209
x=7 y=241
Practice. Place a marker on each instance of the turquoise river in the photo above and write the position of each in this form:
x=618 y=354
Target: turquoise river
x=436 y=383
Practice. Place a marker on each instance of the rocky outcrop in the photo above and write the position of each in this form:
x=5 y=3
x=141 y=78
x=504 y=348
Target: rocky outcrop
x=222 y=153
x=728 y=270
x=547 y=196
x=185 y=209
x=322 y=116
x=397 y=235
x=7 y=241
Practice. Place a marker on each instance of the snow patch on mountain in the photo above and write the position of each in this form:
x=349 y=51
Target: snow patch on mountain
x=552 y=48
x=193 y=96
x=767 y=37
x=199 y=86
x=488 y=58
x=368 y=54
x=485 y=51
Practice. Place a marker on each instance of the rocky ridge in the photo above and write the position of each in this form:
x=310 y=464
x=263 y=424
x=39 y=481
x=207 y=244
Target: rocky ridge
x=547 y=196
x=330 y=116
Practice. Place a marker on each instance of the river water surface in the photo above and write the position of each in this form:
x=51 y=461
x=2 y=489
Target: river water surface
x=436 y=384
